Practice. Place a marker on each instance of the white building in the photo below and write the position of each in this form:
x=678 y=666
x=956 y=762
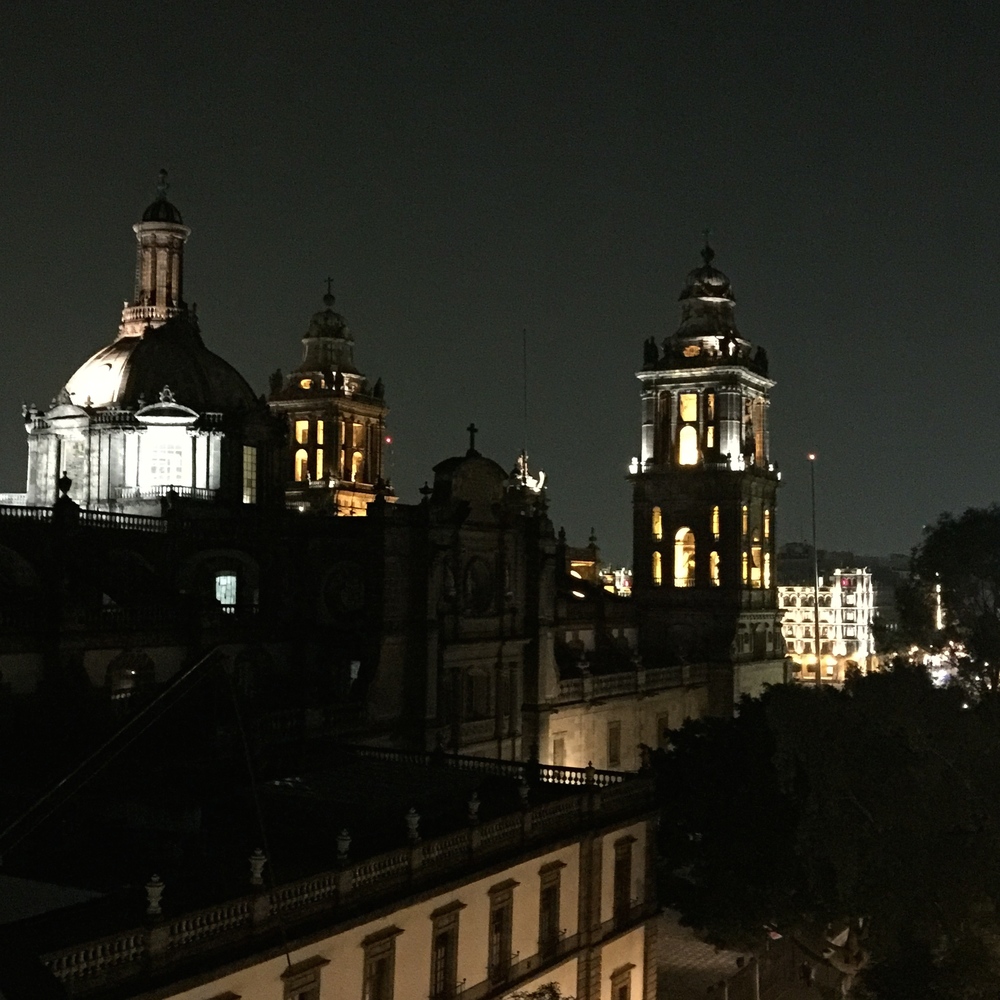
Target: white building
x=846 y=612
x=153 y=412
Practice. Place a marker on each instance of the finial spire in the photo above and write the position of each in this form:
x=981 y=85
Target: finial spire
x=707 y=253
x=162 y=185
x=329 y=298
x=473 y=431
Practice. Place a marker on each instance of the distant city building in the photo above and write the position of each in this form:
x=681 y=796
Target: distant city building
x=847 y=611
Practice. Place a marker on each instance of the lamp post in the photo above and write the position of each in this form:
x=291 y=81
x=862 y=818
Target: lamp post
x=812 y=485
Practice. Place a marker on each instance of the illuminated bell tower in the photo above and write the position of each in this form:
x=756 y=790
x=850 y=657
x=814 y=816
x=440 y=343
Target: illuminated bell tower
x=336 y=423
x=705 y=489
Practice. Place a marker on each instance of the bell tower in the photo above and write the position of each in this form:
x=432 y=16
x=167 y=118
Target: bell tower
x=704 y=492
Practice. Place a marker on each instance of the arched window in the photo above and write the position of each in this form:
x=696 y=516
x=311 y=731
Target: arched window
x=657 y=524
x=357 y=461
x=301 y=465
x=688 y=451
x=756 y=560
x=746 y=519
x=684 y=558
x=716 y=525
x=657 y=569
x=746 y=566
x=767 y=522
x=767 y=570
x=713 y=568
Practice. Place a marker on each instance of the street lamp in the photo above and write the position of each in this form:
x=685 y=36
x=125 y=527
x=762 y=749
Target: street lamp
x=812 y=484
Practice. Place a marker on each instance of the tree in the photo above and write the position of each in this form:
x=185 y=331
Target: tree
x=962 y=556
x=868 y=810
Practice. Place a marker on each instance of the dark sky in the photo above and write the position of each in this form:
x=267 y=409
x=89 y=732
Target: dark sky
x=468 y=169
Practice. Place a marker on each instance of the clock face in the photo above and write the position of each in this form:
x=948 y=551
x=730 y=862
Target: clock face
x=344 y=588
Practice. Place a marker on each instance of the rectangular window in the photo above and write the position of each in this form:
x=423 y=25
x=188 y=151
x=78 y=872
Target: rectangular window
x=549 y=931
x=444 y=951
x=380 y=964
x=166 y=465
x=622 y=888
x=249 y=474
x=710 y=406
x=710 y=436
x=689 y=407
x=319 y=432
x=746 y=519
x=614 y=744
x=716 y=522
x=302 y=432
x=559 y=750
x=501 y=931
x=301 y=981
x=319 y=463
x=621 y=982
x=225 y=591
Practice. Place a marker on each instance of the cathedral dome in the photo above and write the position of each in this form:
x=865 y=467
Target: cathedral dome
x=707 y=282
x=137 y=368
x=162 y=210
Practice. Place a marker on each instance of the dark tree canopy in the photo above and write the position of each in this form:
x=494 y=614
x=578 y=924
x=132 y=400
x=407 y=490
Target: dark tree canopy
x=875 y=809
x=962 y=555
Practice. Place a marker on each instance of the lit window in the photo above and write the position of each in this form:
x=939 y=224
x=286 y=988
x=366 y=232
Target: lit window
x=767 y=522
x=767 y=570
x=756 y=562
x=225 y=590
x=319 y=432
x=684 y=559
x=357 y=461
x=301 y=465
x=710 y=406
x=746 y=566
x=657 y=569
x=302 y=432
x=306 y=383
x=657 y=524
x=319 y=463
x=688 y=451
x=710 y=436
x=249 y=474
x=689 y=407
x=746 y=519
x=715 y=522
x=713 y=566
x=692 y=351
x=166 y=465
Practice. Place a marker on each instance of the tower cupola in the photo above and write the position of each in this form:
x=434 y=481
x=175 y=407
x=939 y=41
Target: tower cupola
x=159 y=266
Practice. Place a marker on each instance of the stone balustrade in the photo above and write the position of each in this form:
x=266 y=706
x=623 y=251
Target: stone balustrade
x=167 y=939
x=628 y=683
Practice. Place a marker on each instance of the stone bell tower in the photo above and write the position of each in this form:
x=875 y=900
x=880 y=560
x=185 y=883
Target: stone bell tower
x=704 y=492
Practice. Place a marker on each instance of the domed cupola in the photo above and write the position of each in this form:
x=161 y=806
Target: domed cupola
x=328 y=346
x=707 y=302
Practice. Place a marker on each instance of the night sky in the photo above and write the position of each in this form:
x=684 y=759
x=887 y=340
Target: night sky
x=465 y=170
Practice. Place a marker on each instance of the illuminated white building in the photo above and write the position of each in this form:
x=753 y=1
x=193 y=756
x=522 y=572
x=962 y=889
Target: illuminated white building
x=846 y=612
x=154 y=412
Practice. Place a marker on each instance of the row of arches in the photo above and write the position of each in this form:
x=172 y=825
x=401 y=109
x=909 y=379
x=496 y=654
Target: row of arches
x=685 y=561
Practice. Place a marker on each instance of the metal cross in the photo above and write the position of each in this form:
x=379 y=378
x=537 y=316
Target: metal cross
x=473 y=431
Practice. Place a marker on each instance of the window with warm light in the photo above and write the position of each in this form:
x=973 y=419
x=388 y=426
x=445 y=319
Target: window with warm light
x=319 y=463
x=767 y=570
x=756 y=561
x=301 y=465
x=689 y=407
x=302 y=432
x=710 y=436
x=657 y=523
x=225 y=590
x=249 y=474
x=746 y=519
x=688 y=445
x=684 y=558
x=319 y=432
x=746 y=566
x=713 y=567
x=767 y=522
x=715 y=522
x=306 y=383
x=710 y=406
x=357 y=462
x=657 y=569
